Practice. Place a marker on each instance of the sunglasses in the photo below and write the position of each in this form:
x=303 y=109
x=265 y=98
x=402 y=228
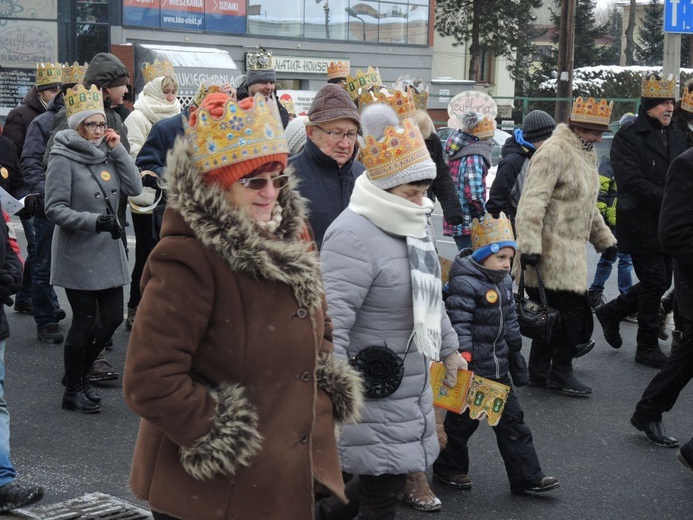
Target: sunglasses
x=259 y=183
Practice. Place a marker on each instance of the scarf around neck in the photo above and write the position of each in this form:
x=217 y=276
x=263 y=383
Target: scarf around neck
x=401 y=217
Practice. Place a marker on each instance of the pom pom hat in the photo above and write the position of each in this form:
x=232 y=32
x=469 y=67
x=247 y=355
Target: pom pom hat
x=231 y=140
x=490 y=235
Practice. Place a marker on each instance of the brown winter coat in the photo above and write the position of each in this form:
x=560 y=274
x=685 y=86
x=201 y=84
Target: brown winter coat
x=229 y=364
x=557 y=213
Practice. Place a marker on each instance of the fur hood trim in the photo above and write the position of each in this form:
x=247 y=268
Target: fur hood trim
x=284 y=257
x=344 y=385
x=233 y=440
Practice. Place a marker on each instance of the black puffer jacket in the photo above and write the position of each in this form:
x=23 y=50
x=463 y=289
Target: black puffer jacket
x=482 y=312
x=18 y=119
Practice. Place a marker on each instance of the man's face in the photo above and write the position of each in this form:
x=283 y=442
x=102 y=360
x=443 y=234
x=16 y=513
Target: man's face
x=49 y=94
x=589 y=136
x=662 y=112
x=117 y=94
x=335 y=138
x=265 y=89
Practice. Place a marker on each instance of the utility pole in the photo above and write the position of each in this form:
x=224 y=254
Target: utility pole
x=566 y=48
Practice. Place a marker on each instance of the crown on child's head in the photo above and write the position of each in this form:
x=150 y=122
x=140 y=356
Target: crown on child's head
x=157 y=69
x=362 y=81
x=338 y=69
x=402 y=102
x=485 y=128
x=591 y=112
x=237 y=135
x=489 y=231
x=74 y=73
x=48 y=74
x=654 y=86
x=78 y=99
x=259 y=59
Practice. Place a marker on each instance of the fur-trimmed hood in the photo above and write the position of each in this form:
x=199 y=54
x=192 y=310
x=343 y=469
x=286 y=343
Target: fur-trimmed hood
x=285 y=257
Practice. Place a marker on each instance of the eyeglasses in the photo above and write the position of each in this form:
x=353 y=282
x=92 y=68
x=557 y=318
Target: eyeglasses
x=338 y=136
x=93 y=126
x=259 y=183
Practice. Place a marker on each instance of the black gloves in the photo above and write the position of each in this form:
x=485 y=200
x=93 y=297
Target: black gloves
x=518 y=368
x=610 y=253
x=8 y=287
x=28 y=210
x=526 y=259
x=110 y=224
x=454 y=219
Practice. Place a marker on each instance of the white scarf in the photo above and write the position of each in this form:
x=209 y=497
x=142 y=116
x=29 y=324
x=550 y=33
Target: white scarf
x=401 y=217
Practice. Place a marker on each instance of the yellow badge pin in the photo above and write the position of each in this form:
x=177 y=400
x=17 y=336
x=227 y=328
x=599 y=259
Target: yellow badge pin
x=5 y=174
x=491 y=296
x=106 y=176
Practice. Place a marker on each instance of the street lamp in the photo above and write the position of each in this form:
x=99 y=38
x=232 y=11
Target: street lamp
x=352 y=12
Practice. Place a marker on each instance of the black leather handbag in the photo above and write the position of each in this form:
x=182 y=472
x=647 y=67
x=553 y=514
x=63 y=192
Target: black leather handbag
x=537 y=320
x=382 y=370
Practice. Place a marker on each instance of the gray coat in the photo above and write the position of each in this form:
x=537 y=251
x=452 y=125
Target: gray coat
x=82 y=258
x=369 y=295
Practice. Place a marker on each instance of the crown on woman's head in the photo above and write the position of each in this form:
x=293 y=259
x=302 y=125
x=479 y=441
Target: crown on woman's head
x=654 y=86
x=259 y=59
x=157 y=69
x=237 y=135
x=48 y=74
x=591 y=111
x=364 y=81
x=338 y=69
x=78 y=99
x=402 y=102
x=74 y=73
x=687 y=99
x=489 y=230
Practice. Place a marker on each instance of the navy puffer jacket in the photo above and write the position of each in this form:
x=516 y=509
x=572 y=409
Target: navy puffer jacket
x=482 y=312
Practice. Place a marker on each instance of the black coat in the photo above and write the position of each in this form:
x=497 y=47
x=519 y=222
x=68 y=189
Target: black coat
x=676 y=228
x=514 y=157
x=640 y=160
x=11 y=178
x=18 y=119
x=443 y=188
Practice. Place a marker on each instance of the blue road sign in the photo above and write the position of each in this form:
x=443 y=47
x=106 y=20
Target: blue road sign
x=678 y=16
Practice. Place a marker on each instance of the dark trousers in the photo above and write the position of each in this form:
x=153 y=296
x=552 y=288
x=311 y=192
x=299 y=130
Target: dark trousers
x=144 y=243
x=665 y=387
x=370 y=498
x=574 y=328
x=669 y=305
x=514 y=440
x=654 y=273
x=43 y=295
x=86 y=328
x=28 y=226
x=162 y=516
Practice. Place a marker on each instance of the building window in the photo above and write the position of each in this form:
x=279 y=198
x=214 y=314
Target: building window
x=91 y=24
x=485 y=74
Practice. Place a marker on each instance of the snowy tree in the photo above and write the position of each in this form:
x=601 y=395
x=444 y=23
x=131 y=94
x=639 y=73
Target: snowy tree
x=649 y=48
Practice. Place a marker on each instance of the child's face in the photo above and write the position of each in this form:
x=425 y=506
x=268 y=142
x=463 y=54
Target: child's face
x=501 y=260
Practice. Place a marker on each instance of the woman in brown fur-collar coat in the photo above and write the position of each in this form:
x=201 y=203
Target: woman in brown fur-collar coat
x=230 y=359
x=556 y=216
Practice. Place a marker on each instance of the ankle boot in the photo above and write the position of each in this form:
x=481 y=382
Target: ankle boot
x=90 y=391
x=74 y=398
x=567 y=383
x=418 y=494
x=79 y=403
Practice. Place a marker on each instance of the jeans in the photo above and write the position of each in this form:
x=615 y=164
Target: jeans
x=30 y=235
x=42 y=293
x=7 y=471
x=463 y=241
x=601 y=275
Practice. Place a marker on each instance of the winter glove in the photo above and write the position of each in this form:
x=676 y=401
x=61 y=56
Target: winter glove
x=9 y=281
x=526 y=259
x=453 y=363
x=110 y=224
x=454 y=219
x=610 y=253
x=518 y=369
x=28 y=210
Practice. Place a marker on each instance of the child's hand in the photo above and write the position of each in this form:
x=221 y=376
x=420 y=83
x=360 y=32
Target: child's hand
x=453 y=363
x=518 y=368
x=112 y=138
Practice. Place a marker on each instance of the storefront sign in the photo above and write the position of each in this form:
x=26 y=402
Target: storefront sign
x=26 y=43
x=303 y=65
x=142 y=13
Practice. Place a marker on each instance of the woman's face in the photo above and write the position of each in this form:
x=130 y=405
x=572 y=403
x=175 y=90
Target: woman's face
x=169 y=93
x=410 y=192
x=257 y=204
x=93 y=128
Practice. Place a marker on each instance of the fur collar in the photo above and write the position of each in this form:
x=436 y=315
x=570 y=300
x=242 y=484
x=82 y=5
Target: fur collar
x=284 y=257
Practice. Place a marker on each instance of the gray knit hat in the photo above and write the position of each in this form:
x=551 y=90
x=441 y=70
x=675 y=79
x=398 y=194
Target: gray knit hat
x=295 y=134
x=253 y=77
x=537 y=126
x=332 y=102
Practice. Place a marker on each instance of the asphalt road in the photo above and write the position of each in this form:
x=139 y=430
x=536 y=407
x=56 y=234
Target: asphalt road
x=607 y=469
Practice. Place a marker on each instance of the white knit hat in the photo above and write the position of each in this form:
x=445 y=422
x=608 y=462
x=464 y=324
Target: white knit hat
x=295 y=134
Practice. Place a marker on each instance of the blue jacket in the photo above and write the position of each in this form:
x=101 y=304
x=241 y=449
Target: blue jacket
x=482 y=312
x=160 y=140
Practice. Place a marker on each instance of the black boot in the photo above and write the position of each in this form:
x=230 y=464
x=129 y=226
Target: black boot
x=648 y=351
x=567 y=384
x=582 y=349
x=74 y=398
x=90 y=391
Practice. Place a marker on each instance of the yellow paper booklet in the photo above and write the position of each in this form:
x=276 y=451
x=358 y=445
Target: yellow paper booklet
x=483 y=397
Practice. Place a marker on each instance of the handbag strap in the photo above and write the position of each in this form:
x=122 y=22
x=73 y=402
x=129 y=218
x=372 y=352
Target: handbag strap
x=540 y=285
x=109 y=209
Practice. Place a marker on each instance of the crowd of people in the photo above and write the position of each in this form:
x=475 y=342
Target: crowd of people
x=287 y=298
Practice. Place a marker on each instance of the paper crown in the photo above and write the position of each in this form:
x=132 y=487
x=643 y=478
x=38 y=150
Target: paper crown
x=591 y=113
x=401 y=102
x=74 y=73
x=237 y=135
x=398 y=151
x=203 y=91
x=489 y=230
x=78 y=99
x=362 y=81
x=420 y=95
x=485 y=128
x=48 y=74
x=288 y=103
x=687 y=100
x=338 y=69
x=654 y=87
x=157 y=69
x=260 y=59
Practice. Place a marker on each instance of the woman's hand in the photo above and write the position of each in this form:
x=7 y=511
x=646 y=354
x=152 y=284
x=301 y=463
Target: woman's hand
x=112 y=138
x=453 y=363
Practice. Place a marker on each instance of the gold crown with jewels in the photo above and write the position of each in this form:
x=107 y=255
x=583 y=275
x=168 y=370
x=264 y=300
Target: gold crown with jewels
x=260 y=59
x=362 y=81
x=656 y=87
x=338 y=69
x=74 y=73
x=485 y=128
x=79 y=99
x=420 y=95
x=591 y=111
x=237 y=135
x=157 y=69
x=48 y=74
x=687 y=99
x=491 y=230
x=401 y=102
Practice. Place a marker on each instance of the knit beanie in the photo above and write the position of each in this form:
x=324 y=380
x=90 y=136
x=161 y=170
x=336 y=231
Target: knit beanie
x=225 y=176
x=253 y=77
x=332 y=102
x=489 y=235
x=651 y=102
x=295 y=134
x=537 y=126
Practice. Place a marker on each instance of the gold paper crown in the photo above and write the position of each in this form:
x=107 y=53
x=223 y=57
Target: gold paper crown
x=237 y=135
x=591 y=111
x=79 y=99
x=74 y=73
x=420 y=97
x=687 y=100
x=157 y=69
x=289 y=105
x=338 y=69
x=658 y=88
x=485 y=128
x=48 y=74
x=491 y=230
x=202 y=92
x=362 y=81
x=398 y=151
x=260 y=59
x=401 y=102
